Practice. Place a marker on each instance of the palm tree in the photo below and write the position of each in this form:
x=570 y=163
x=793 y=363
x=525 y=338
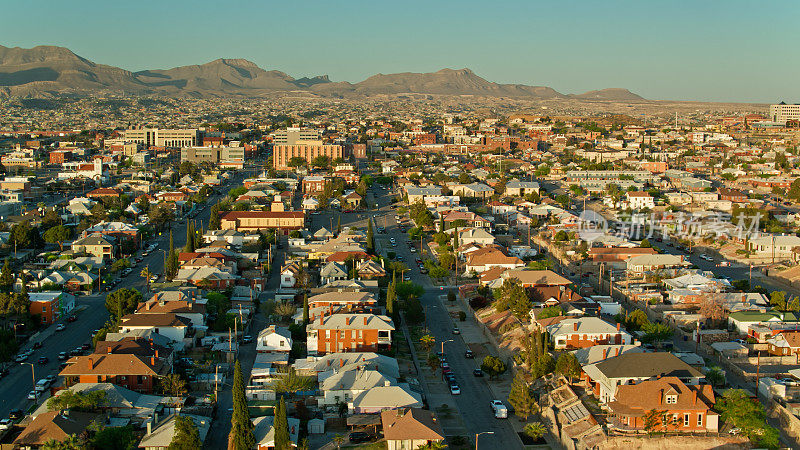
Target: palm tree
x=338 y=439
x=427 y=342
x=146 y=274
x=535 y=430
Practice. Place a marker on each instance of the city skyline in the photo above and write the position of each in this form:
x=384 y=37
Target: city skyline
x=681 y=51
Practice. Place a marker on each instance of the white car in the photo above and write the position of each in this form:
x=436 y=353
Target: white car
x=32 y=395
x=6 y=424
x=724 y=264
x=60 y=327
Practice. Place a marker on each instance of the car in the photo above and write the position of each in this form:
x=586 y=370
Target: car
x=94 y=333
x=37 y=345
x=423 y=270
x=454 y=389
x=51 y=379
x=21 y=357
x=400 y=258
x=450 y=377
x=6 y=424
x=406 y=277
x=247 y=339
x=62 y=356
x=477 y=372
x=358 y=437
x=456 y=330
x=32 y=395
x=500 y=410
x=725 y=264
x=444 y=365
x=76 y=352
x=43 y=360
x=15 y=414
x=417 y=260
x=446 y=370
x=469 y=355
x=412 y=249
x=61 y=327
x=72 y=318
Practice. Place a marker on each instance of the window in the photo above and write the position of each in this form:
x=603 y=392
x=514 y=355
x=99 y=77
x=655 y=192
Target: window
x=699 y=419
x=675 y=419
x=671 y=399
x=686 y=419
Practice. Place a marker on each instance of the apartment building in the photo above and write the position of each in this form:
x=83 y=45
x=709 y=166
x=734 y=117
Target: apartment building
x=349 y=333
x=308 y=150
x=245 y=221
x=157 y=137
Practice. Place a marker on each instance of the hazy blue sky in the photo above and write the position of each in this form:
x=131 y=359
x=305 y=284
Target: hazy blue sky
x=725 y=50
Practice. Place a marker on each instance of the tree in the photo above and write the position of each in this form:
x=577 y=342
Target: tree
x=241 y=435
x=550 y=311
x=520 y=397
x=511 y=295
x=390 y=295
x=653 y=419
x=290 y=383
x=171 y=267
x=6 y=277
x=338 y=225
x=123 y=301
x=493 y=366
x=794 y=190
x=370 y=238
x=296 y=161
x=71 y=443
x=535 y=430
x=186 y=435
x=190 y=237
x=777 y=299
x=173 y=384
x=114 y=438
x=656 y=332
x=742 y=412
x=715 y=377
x=568 y=365
x=433 y=362
x=712 y=307
x=427 y=342
x=321 y=161
x=338 y=439
x=146 y=274
x=645 y=244
x=214 y=222
x=305 y=309
x=636 y=320
x=281 y=425
x=57 y=235
x=78 y=401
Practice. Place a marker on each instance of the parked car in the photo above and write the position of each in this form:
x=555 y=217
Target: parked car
x=6 y=424
x=86 y=346
x=62 y=356
x=454 y=389
x=469 y=355
x=477 y=372
x=247 y=339
x=456 y=330
x=61 y=327
x=500 y=410
x=32 y=395
x=43 y=360
x=72 y=318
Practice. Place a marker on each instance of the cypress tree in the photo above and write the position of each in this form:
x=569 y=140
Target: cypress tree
x=390 y=295
x=520 y=398
x=241 y=436
x=198 y=237
x=338 y=225
x=171 y=267
x=190 y=237
x=281 y=425
x=6 y=277
x=455 y=240
x=305 y=309
x=370 y=238
x=214 y=222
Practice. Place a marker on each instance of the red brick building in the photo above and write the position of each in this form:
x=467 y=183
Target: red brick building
x=134 y=372
x=349 y=333
x=103 y=192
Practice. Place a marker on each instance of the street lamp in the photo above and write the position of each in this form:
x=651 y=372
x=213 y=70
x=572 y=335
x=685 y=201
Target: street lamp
x=478 y=434
x=33 y=374
x=449 y=340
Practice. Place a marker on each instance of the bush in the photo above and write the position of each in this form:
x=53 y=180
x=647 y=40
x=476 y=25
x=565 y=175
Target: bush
x=462 y=316
x=478 y=303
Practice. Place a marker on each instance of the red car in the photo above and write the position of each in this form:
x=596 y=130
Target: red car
x=72 y=318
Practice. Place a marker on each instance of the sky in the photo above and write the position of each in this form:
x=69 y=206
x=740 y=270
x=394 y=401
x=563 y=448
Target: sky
x=705 y=50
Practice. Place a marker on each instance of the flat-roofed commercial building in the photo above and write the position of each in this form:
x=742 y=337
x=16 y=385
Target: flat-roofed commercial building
x=157 y=137
x=782 y=112
x=251 y=221
x=308 y=150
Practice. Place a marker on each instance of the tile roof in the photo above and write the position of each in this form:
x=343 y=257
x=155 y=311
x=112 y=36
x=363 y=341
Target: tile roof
x=411 y=424
x=646 y=365
x=113 y=364
x=58 y=425
x=637 y=399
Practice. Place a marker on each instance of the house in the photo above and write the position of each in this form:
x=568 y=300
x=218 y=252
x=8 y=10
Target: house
x=785 y=343
x=127 y=370
x=353 y=200
x=51 y=306
x=212 y=277
x=686 y=408
x=464 y=219
x=478 y=190
x=641 y=264
x=774 y=246
x=102 y=192
x=521 y=188
x=410 y=428
x=743 y=321
x=586 y=332
x=118 y=401
x=639 y=200
x=274 y=339
x=168 y=325
x=332 y=271
x=632 y=368
x=597 y=353
x=481 y=261
x=193 y=312
x=340 y=386
x=384 y=398
x=475 y=235
x=55 y=425
x=264 y=432
x=96 y=244
x=290 y=274
x=347 y=299
x=284 y=221
x=159 y=435
x=349 y=332
x=370 y=270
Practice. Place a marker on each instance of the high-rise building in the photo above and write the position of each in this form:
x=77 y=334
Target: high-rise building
x=782 y=112
x=293 y=135
x=308 y=150
x=162 y=137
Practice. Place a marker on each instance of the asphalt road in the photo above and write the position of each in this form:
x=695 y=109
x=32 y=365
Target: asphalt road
x=91 y=315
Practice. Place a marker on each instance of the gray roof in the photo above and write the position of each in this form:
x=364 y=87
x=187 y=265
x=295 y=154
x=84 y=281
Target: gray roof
x=647 y=365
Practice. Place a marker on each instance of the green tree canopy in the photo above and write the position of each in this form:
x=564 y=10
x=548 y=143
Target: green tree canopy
x=186 y=436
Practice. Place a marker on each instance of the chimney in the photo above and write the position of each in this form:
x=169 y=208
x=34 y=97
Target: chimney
x=156 y=353
x=109 y=350
x=330 y=308
x=365 y=320
x=152 y=360
x=321 y=318
x=341 y=362
x=347 y=321
x=605 y=353
x=575 y=326
x=617 y=350
x=694 y=397
x=618 y=326
x=149 y=427
x=91 y=362
x=660 y=396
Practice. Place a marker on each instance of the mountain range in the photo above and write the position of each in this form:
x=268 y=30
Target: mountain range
x=47 y=71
